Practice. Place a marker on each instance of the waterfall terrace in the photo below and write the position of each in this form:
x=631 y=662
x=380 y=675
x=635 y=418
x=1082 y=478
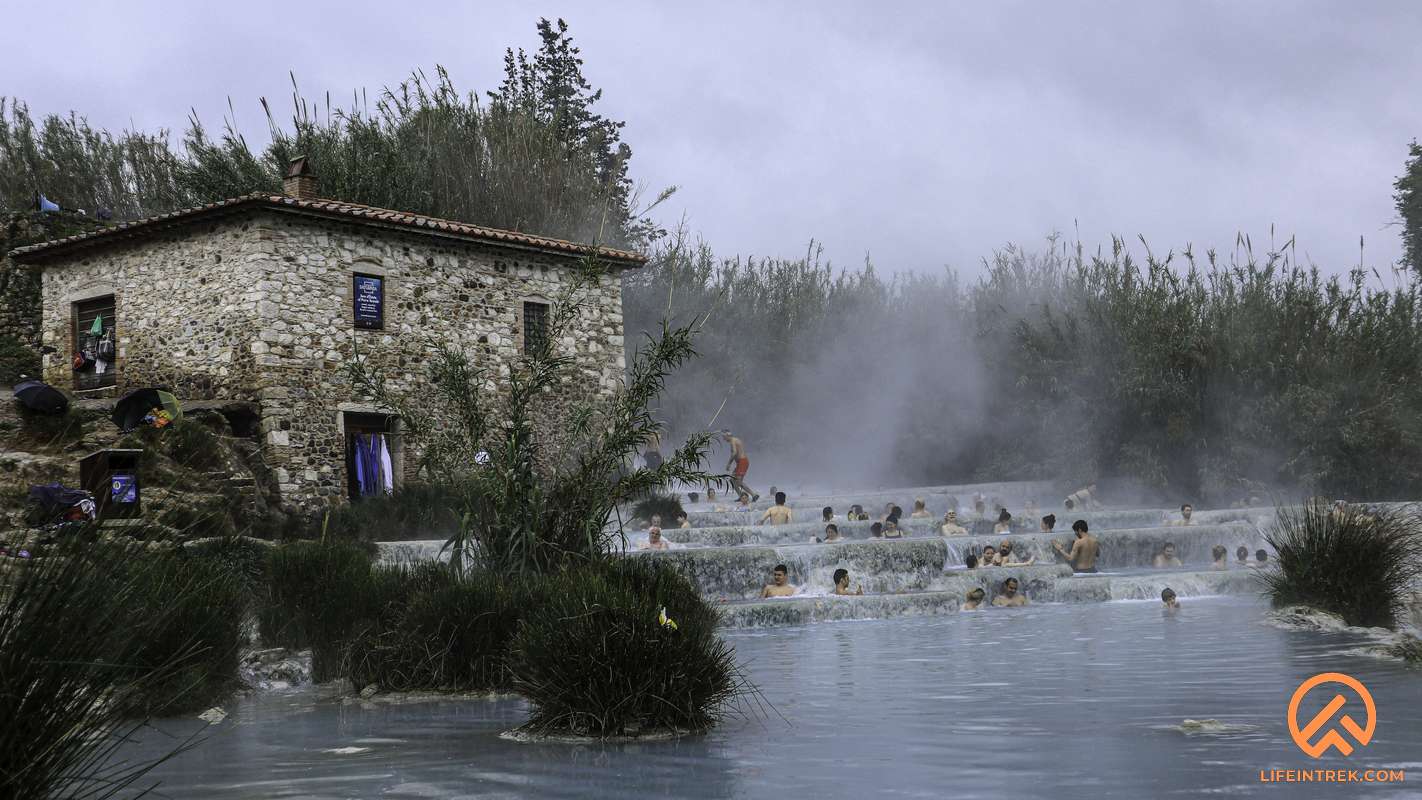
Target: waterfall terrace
x=1092 y=690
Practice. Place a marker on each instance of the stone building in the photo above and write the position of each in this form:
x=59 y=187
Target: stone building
x=264 y=299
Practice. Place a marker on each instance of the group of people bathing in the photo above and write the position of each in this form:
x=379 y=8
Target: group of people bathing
x=780 y=586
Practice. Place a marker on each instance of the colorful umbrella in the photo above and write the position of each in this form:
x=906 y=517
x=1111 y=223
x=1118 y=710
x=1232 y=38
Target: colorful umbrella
x=132 y=408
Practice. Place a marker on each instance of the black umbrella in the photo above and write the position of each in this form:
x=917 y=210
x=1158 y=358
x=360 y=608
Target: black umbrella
x=130 y=410
x=40 y=396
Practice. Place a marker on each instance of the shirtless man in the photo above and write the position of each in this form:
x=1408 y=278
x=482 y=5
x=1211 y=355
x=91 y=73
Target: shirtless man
x=1009 y=596
x=1082 y=498
x=1082 y=556
x=975 y=599
x=1186 y=511
x=841 y=583
x=779 y=585
x=654 y=539
x=950 y=525
x=1008 y=559
x=1166 y=557
x=919 y=512
x=738 y=465
x=778 y=514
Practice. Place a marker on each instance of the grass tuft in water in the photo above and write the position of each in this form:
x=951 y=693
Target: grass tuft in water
x=1354 y=561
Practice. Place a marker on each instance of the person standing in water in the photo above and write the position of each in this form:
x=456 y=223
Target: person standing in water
x=1004 y=522
x=1186 y=511
x=841 y=583
x=974 y=600
x=778 y=514
x=1082 y=556
x=779 y=585
x=1009 y=596
x=1166 y=557
x=739 y=465
x=950 y=526
x=653 y=455
x=1171 y=604
x=654 y=539
x=1083 y=498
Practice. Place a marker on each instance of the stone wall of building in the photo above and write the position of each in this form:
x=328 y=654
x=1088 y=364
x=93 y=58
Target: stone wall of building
x=20 y=297
x=185 y=302
x=437 y=291
x=259 y=307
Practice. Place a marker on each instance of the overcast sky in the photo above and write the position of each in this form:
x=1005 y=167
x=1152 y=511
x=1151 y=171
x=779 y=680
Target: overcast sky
x=921 y=134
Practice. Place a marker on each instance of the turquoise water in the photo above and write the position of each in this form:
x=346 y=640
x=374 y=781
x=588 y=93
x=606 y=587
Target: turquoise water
x=1060 y=701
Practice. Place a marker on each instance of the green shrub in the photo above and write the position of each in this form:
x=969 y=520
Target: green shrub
x=593 y=659
x=79 y=659
x=414 y=511
x=1355 y=562
x=317 y=595
x=51 y=429
x=192 y=444
x=665 y=506
x=448 y=633
x=205 y=625
x=17 y=360
x=242 y=557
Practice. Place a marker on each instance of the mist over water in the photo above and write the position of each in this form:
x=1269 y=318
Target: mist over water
x=1166 y=377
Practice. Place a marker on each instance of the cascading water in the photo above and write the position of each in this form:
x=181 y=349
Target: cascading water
x=923 y=572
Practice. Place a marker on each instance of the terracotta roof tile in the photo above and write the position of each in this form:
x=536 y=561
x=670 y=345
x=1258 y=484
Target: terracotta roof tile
x=332 y=208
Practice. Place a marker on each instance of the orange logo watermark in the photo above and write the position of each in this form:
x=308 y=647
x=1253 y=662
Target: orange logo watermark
x=1304 y=737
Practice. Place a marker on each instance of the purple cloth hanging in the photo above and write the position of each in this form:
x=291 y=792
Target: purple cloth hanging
x=369 y=465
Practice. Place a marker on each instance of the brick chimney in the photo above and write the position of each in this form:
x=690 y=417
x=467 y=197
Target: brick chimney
x=300 y=182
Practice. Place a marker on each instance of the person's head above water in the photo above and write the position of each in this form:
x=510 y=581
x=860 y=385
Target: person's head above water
x=780 y=498
x=841 y=577
x=656 y=520
x=1242 y=553
x=1168 y=549
x=1219 y=553
x=918 y=504
x=744 y=500
x=1168 y=596
x=1009 y=587
x=1261 y=555
x=1186 y=510
x=654 y=534
x=779 y=575
x=1004 y=516
x=827 y=512
x=831 y=531
x=1049 y=522
x=951 y=516
x=976 y=594
x=989 y=551
x=1080 y=527
x=971 y=562
x=877 y=529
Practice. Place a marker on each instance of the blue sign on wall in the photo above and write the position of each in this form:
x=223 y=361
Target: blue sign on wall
x=369 y=292
x=124 y=490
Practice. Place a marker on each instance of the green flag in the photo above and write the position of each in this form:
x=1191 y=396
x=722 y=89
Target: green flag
x=98 y=327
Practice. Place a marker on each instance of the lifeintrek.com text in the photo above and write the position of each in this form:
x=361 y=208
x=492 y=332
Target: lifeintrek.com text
x=1331 y=775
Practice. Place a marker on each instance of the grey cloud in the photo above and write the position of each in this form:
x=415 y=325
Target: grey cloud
x=923 y=134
